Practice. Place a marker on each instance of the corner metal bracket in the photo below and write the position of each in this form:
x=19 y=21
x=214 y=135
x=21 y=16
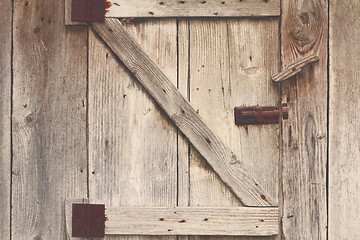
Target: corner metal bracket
x=256 y=115
x=88 y=220
x=88 y=10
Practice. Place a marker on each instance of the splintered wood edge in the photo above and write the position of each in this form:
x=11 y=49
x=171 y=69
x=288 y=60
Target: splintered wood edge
x=202 y=221
x=180 y=111
x=294 y=68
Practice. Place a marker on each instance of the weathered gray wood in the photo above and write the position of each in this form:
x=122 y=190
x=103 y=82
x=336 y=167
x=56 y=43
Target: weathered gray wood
x=183 y=86
x=304 y=33
x=68 y=21
x=344 y=126
x=192 y=8
x=49 y=119
x=294 y=68
x=5 y=117
x=223 y=161
x=221 y=221
x=132 y=145
x=183 y=187
x=229 y=69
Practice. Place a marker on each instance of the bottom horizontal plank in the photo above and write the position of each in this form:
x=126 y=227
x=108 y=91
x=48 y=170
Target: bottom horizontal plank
x=240 y=221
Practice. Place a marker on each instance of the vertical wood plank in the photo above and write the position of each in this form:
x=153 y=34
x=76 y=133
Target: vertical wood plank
x=183 y=143
x=133 y=145
x=232 y=68
x=344 y=128
x=49 y=119
x=5 y=117
x=304 y=135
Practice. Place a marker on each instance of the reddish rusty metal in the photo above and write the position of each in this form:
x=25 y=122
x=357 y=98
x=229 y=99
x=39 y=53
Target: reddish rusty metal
x=259 y=115
x=88 y=220
x=88 y=10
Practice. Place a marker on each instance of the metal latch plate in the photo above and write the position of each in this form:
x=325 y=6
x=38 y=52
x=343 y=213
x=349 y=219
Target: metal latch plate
x=259 y=115
x=88 y=10
x=88 y=220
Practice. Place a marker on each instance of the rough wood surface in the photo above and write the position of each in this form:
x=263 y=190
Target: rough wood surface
x=344 y=127
x=229 y=69
x=49 y=119
x=222 y=160
x=304 y=31
x=183 y=187
x=223 y=221
x=132 y=143
x=294 y=68
x=192 y=8
x=5 y=117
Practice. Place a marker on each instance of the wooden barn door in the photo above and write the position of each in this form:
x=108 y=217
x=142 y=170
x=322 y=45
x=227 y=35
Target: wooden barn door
x=137 y=155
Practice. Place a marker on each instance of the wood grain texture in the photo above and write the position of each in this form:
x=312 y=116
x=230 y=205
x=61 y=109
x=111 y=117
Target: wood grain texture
x=304 y=32
x=192 y=8
x=5 y=117
x=183 y=86
x=183 y=167
x=49 y=119
x=344 y=128
x=192 y=221
x=294 y=68
x=232 y=68
x=223 y=161
x=132 y=143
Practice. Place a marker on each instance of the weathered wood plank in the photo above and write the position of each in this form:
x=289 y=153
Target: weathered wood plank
x=183 y=86
x=223 y=161
x=223 y=221
x=183 y=143
x=5 y=117
x=304 y=135
x=294 y=68
x=233 y=68
x=344 y=141
x=132 y=145
x=192 y=8
x=49 y=119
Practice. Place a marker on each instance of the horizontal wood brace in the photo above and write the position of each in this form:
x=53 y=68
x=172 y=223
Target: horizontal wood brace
x=223 y=221
x=220 y=221
x=191 y=8
x=78 y=12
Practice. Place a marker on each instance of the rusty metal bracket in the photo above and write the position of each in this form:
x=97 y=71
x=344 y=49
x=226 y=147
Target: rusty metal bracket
x=88 y=10
x=88 y=220
x=255 y=115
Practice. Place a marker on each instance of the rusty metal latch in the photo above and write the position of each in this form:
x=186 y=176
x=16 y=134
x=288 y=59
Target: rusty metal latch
x=88 y=220
x=255 y=115
x=88 y=10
